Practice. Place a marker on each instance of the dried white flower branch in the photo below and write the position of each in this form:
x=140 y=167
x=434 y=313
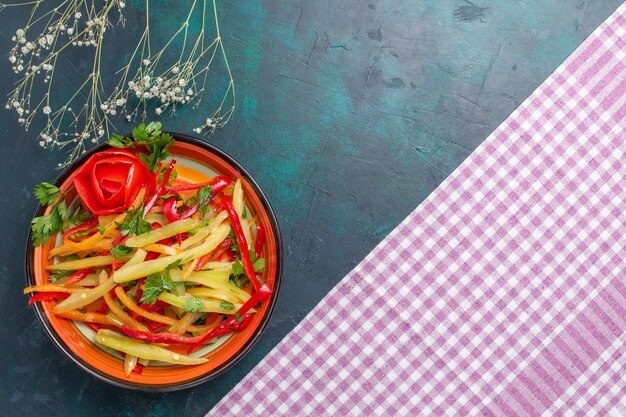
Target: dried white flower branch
x=146 y=78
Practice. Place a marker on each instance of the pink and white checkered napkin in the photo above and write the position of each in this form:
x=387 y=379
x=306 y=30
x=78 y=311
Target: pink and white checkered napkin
x=503 y=293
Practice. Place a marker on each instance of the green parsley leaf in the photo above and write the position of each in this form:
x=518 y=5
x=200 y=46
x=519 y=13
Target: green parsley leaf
x=46 y=193
x=157 y=146
x=234 y=246
x=225 y=305
x=240 y=281
x=134 y=224
x=193 y=305
x=58 y=274
x=155 y=141
x=118 y=141
x=237 y=268
x=259 y=265
x=101 y=229
x=204 y=198
x=120 y=251
x=155 y=285
x=43 y=227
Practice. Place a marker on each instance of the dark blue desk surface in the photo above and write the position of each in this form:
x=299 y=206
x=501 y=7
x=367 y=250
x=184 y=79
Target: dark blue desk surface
x=349 y=114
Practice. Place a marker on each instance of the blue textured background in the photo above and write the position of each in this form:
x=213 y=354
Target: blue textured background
x=349 y=114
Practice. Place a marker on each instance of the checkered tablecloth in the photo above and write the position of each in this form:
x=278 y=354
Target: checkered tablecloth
x=502 y=294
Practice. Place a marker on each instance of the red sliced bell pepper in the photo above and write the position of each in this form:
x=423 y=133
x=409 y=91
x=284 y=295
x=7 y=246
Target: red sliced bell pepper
x=79 y=275
x=161 y=190
x=260 y=239
x=83 y=226
x=217 y=185
x=171 y=211
x=248 y=268
x=47 y=296
x=163 y=337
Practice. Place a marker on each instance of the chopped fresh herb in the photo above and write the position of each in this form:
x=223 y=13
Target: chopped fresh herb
x=134 y=224
x=155 y=285
x=71 y=257
x=151 y=136
x=79 y=216
x=237 y=316
x=204 y=198
x=46 y=193
x=234 y=246
x=118 y=141
x=43 y=227
x=225 y=305
x=57 y=275
x=259 y=304
x=237 y=268
x=244 y=213
x=193 y=305
x=240 y=281
x=120 y=251
x=257 y=264
x=101 y=229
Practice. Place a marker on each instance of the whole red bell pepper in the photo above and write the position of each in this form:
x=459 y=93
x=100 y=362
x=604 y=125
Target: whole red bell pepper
x=47 y=296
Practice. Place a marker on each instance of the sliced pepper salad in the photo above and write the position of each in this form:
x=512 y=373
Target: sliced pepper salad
x=148 y=262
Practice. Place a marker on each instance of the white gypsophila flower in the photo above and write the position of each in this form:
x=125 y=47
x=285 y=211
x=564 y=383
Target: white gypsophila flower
x=158 y=111
x=70 y=31
x=19 y=33
x=146 y=61
x=12 y=59
x=78 y=15
x=120 y=101
x=190 y=91
x=100 y=132
x=182 y=82
x=175 y=70
x=197 y=130
x=47 y=110
x=121 y=4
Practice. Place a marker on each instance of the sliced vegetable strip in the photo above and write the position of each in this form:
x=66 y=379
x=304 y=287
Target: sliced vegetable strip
x=89 y=316
x=50 y=288
x=47 y=296
x=150 y=267
x=159 y=318
x=82 y=297
x=129 y=346
x=210 y=305
x=169 y=230
x=123 y=316
x=248 y=269
x=83 y=263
